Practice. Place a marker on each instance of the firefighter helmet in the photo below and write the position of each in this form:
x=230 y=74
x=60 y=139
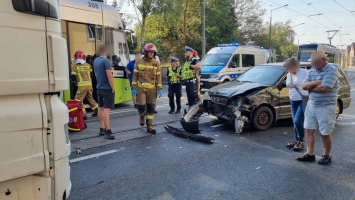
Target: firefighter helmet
x=79 y=55
x=150 y=47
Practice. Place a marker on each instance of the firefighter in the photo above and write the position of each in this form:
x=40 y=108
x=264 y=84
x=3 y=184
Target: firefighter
x=174 y=79
x=81 y=75
x=189 y=73
x=198 y=75
x=147 y=86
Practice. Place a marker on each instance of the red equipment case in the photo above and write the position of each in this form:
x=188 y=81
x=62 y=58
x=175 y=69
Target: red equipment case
x=76 y=116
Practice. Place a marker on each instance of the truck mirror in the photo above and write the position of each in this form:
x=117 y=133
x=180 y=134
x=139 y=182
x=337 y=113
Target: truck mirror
x=35 y=7
x=233 y=65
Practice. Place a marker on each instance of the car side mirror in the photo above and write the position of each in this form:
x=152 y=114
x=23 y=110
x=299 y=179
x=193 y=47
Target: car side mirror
x=233 y=65
x=281 y=85
x=35 y=7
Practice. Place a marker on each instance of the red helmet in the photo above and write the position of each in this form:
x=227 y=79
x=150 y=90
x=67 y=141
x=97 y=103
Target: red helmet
x=150 y=47
x=79 y=55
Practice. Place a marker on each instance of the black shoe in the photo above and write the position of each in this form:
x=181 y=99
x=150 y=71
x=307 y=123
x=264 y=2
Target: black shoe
x=177 y=111
x=325 y=160
x=85 y=117
x=109 y=135
x=135 y=106
x=187 y=104
x=95 y=113
x=102 y=132
x=307 y=158
x=299 y=146
x=155 y=112
x=171 y=111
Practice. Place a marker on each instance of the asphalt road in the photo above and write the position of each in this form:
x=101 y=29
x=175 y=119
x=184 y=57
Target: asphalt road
x=252 y=165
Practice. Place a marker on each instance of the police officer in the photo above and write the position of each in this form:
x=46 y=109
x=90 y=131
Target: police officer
x=147 y=85
x=81 y=75
x=189 y=73
x=174 y=80
x=198 y=74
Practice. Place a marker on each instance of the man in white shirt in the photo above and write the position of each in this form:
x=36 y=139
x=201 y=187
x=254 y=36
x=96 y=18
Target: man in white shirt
x=294 y=81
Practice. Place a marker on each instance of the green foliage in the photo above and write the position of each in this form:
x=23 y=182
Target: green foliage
x=288 y=50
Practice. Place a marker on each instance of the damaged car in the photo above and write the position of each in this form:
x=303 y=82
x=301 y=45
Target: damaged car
x=259 y=97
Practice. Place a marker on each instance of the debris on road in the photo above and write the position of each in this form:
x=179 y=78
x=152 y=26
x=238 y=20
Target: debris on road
x=258 y=168
x=183 y=134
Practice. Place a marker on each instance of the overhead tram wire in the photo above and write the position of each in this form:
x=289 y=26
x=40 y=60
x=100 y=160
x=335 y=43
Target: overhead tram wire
x=326 y=27
x=317 y=10
x=351 y=12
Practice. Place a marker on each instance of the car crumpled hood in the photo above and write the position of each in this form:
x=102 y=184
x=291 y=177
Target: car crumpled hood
x=234 y=88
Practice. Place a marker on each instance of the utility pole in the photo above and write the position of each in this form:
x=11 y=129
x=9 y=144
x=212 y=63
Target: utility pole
x=271 y=23
x=203 y=28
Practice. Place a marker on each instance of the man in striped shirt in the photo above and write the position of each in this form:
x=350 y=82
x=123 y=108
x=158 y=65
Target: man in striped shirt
x=323 y=87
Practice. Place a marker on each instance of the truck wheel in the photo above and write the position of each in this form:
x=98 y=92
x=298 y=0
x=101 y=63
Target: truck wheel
x=262 y=118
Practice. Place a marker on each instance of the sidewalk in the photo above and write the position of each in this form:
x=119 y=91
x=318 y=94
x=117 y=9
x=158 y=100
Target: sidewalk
x=126 y=127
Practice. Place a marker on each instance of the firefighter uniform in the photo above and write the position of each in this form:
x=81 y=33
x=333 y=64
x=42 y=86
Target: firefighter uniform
x=190 y=78
x=174 y=87
x=147 y=80
x=82 y=74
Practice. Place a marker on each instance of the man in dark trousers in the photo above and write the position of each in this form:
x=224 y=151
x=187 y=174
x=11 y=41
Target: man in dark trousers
x=189 y=73
x=174 y=80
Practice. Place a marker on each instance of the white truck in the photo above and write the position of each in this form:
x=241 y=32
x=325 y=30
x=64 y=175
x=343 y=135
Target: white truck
x=34 y=143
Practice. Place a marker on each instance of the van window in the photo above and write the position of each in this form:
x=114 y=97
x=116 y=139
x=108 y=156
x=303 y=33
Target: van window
x=220 y=59
x=248 y=60
x=236 y=59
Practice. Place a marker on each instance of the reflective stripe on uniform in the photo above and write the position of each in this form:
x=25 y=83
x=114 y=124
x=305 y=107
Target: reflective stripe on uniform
x=150 y=117
x=73 y=129
x=84 y=84
x=146 y=85
x=73 y=109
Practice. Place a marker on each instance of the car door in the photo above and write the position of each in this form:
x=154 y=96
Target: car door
x=284 y=99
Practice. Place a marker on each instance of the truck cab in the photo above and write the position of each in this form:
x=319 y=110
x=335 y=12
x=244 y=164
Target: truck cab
x=228 y=61
x=34 y=142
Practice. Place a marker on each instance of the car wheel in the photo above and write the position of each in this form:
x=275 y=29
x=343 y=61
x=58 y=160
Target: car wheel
x=263 y=118
x=337 y=110
x=226 y=81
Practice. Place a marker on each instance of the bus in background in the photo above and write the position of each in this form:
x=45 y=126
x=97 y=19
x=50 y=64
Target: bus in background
x=34 y=142
x=228 y=61
x=305 y=51
x=88 y=24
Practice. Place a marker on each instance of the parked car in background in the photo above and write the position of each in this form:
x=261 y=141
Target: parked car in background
x=260 y=97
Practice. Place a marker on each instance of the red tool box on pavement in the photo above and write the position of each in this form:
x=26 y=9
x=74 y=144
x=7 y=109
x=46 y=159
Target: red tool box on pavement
x=76 y=116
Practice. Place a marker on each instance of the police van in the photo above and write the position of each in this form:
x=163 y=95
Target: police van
x=228 y=61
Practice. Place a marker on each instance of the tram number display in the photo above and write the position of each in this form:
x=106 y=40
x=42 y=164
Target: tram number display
x=93 y=5
x=118 y=74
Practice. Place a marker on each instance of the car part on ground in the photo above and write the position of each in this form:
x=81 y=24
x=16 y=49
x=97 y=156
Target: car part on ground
x=183 y=134
x=190 y=120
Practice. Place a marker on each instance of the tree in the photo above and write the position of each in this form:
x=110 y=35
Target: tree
x=248 y=17
x=288 y=50
x=143 y=9
x=282 y=35
x=220 y=22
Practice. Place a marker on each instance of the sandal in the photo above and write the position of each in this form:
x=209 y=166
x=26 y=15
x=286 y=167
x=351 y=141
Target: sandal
x=299 y=146
x=291 y=145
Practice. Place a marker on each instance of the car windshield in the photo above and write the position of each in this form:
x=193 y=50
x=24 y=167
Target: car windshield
x=216 y=59
x=265 y=75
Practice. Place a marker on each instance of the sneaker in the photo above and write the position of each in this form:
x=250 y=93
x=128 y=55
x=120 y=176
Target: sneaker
x=177 y=111
x=171 y=111
x=109 y=135
x=325 y=160
x=299 y=146
x=307 y=158
x=102 y=132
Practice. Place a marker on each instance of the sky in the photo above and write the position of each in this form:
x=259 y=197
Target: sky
x=332 y=15
x=335 y=15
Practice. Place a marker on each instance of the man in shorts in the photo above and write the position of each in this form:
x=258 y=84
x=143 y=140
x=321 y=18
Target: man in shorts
x=322 y=84
x=105 y=91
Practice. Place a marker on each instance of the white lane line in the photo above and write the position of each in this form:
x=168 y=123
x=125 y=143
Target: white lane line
x=217 y=125
x=347 y=124
x=96 y=155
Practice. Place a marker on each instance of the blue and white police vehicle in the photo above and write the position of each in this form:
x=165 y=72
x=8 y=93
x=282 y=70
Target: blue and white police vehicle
x=228 y=61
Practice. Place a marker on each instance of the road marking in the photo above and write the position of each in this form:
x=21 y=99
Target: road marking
x=96 y=155
x=347 y=124
x=217 y=125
